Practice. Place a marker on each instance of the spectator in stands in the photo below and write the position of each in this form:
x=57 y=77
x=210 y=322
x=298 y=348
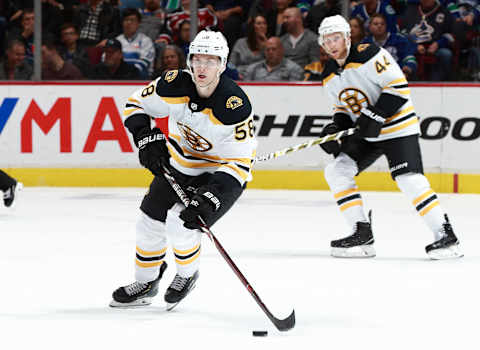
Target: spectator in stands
x=429 y=26
x=206 y=19
x=137 y=48
x=300 y=44
x=97 y=21
x=230 y=14
x=313 y=71
x=153 y=19
x=71 y=50
x=54 y=67
x=183 y=41
x=14 y=66
x=7 y=11
x=113 y=66
x=24 y=33
x=402 y=49
x=319 y=11
x=171 y=58
x=250 y=49
x=275 y=67
x=367 y=8
x=357 y=30
x=466 y=14
x=52 y=17
x=275 y=18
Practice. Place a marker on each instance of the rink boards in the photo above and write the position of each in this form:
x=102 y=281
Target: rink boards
x=58 y=134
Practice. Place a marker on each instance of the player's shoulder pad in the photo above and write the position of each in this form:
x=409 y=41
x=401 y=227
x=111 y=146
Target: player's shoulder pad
x=174 y=83
x=230 y=105
x=362 y=53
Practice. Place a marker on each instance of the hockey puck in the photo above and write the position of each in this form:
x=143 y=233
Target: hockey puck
x=259 y=333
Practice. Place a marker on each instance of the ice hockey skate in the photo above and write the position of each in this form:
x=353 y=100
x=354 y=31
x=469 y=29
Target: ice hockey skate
x=357 y=245
x=179 y=289
x=447 y=247
x=11 y=194
x=137 y=294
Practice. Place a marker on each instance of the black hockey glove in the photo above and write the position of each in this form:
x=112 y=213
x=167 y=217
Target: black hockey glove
x=370 y=122
x=152 y=150
x=330 y=147
x=204 y=204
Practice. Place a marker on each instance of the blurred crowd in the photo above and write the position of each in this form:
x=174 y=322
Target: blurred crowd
x=269 y=40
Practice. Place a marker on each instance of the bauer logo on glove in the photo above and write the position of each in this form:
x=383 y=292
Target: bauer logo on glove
x=150 y=138
x=204 y=204
x=370 y=122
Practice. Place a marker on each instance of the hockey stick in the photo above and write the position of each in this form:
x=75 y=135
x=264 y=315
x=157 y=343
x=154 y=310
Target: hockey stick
x=326 y=138
x=282 y=325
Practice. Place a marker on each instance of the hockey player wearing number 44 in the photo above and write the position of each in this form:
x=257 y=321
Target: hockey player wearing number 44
x=204 y=135
x=369 y=90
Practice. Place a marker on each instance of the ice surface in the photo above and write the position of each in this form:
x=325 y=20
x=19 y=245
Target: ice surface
x=64 y=250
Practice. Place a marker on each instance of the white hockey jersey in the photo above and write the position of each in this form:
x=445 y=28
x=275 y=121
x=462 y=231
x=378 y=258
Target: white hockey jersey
x=368 y=72
x=204 y=134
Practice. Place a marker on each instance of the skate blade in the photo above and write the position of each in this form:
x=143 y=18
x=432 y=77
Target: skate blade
x=364 y=251
x=452 y=252
x=171 y=306
x=134 y=304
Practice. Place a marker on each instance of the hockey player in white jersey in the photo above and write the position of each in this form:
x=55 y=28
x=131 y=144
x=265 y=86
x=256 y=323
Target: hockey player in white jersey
x=369 y=91
x=204 y=133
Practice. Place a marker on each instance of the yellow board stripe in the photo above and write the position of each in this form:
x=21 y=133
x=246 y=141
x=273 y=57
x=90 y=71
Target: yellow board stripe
x=428 y=208
x=186 y=252
x=262 y=179
x=152 y=253
x=148 y=264
x=351 y=204
x=188 y=261
x=344 y=193
x=176 y=100
x=422 y=197
x=399 y=127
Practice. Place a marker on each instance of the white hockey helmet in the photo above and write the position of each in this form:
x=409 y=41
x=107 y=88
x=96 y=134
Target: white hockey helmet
x=334 y=24
x=209 y=43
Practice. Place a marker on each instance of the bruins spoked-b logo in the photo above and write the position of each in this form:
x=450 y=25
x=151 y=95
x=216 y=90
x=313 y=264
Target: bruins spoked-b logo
x=197 y=142
x=171 y=75
x=355 y=99
x=234 y=102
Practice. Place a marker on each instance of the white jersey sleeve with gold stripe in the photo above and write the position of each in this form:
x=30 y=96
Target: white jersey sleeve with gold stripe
x=369 y=72
x=204 y=135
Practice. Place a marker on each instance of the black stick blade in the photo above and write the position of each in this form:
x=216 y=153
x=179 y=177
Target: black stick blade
x=285 y=324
